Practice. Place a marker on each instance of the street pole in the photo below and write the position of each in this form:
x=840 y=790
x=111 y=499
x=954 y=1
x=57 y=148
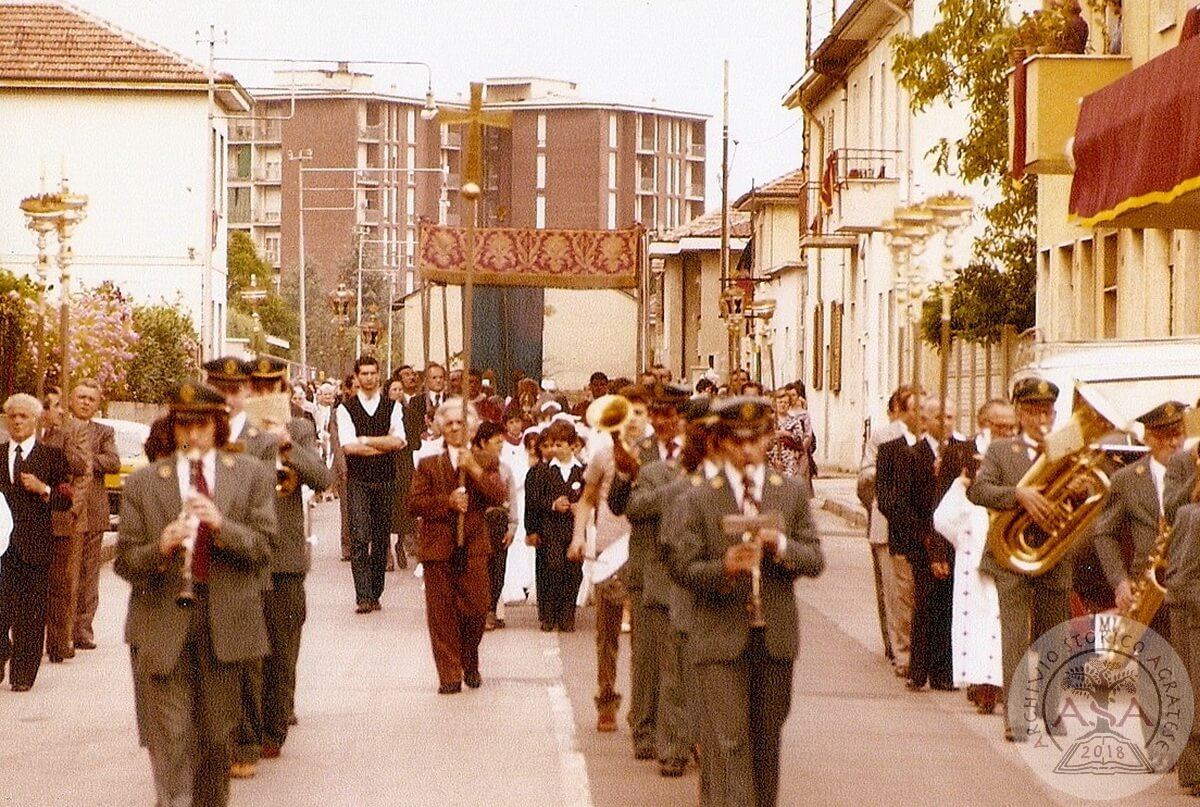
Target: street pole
x=358 y=308
x=733 y=337
x=303 y=288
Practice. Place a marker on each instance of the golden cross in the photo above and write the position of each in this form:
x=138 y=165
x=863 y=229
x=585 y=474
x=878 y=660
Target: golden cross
x=475 y=118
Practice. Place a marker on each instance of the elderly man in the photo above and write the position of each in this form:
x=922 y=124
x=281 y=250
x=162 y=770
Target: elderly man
x=62 y=431
x=195 y=536
x=85 y=402
x=34 y=481
x=451 y=493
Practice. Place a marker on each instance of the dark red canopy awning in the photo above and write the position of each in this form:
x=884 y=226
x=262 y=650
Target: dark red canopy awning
x=1137 y=147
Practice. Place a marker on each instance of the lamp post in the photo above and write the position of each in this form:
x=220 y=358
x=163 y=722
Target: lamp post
x=760 y=313
x=74 y=211
x=734 y=300
x=339 y=302
x=369 y=329
x=907 y=235
x=254 y=296
x=951 y=212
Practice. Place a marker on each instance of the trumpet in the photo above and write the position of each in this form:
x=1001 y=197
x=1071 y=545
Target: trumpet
x=748 y=527
x=187 y=592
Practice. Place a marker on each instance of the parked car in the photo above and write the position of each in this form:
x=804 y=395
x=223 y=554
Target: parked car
x=131 y=438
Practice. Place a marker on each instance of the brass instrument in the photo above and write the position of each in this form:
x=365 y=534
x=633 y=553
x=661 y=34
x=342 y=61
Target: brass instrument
x=1072 y=478
x=612 y=413
x=187 y=593
x=1148 y=597
x=748 y=526
x=286 y=479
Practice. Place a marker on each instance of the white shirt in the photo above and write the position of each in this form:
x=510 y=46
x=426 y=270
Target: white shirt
x=934 y=446
x=434 y=399
x=1031 y=448
x=758 y=475
x=1158 y=472
x=711 y=469
x=236 y=424
x=908 y=436
x=453 y=452
x=26 y=447
x=322 y=416
x=564 y=468
x=346 y=431
x=662 y=448
x=208 y=467
x=983 y=440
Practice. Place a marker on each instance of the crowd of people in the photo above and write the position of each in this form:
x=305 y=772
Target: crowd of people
x=956 y=614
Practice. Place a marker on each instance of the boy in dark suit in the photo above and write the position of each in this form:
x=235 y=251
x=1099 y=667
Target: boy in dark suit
x=551 y=491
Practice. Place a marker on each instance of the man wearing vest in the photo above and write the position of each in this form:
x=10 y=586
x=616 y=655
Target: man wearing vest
x=370 y=428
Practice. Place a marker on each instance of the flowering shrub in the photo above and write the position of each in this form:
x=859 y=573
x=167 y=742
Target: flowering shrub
x=103 y=338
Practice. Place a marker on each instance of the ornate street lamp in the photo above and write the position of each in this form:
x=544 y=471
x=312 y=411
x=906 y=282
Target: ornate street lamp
x=339 y=301
x=907 y=234
x=42 y=213
x=951 y=212
x=254 y=296
x=761 y=312
x=371 y=328
x=734 y=300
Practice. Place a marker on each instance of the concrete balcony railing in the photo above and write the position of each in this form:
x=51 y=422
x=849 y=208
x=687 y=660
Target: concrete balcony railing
x=269 y=217
x=695 y=151
x=369 y=216
x=372 y=131
x=647 y=184
x=1049 y=95
x=269 y=172
x=241 y=131
x=453 y=140
x=239 y=214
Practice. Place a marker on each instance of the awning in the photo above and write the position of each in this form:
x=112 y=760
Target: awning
x=1137 y=147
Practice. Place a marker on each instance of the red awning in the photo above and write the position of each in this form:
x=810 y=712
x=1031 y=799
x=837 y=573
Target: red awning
x=1137 y=147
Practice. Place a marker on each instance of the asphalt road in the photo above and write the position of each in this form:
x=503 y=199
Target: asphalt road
x=373 y=731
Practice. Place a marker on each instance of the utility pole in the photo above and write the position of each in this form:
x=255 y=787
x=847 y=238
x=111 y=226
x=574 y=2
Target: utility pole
x=725 y=280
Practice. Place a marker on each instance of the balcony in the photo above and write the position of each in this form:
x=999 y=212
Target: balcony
x=369 y=216
x=241 y=132
x=362 y=177
x=269 y=172
x=867 y=189
x=453 y=181
x=271 y=258
x=268 y=131
x=1044 y=95
x=372 y=131
x=819 y=225
x=269 y=217
x=695 y=151
x=453 y=220
x=647 y=143
x=235 y=174
x=647 y=185
x=453 y=140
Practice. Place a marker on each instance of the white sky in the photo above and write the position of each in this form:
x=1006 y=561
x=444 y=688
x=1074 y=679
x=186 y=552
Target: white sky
x=665 y=52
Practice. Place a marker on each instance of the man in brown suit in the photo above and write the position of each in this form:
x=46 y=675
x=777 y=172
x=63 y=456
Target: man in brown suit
x=450 y=493
x=85 y=402
x=188 y=653
x=64 y=432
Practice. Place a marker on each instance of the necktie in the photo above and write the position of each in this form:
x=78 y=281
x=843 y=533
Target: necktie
x=749 y=502
x=671 y=449
x=16 y=469
x=203 y=548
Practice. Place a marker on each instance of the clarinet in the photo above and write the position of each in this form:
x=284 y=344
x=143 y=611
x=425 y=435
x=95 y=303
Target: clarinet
x=187 y=593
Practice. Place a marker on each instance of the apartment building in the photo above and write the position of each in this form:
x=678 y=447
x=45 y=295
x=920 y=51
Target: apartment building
x=842 y=321
x=1118 y=246
x=131 y=124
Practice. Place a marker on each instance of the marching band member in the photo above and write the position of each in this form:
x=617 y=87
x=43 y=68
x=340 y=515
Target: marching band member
x=187 y=659
x=745 y=672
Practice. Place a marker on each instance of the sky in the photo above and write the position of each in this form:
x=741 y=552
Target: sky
x=662 y=52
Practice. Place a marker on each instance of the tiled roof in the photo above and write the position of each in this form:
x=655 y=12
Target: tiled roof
x=790 y=186
x=709 y=226
x=56 y=42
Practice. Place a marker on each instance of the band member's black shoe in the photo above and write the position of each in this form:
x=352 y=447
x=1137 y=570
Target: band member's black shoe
x=363 y=608
x=473 y=679
x=450 y=689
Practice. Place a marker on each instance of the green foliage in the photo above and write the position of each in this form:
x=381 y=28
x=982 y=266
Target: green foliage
x=167 y=353
x=279 y=318
x=963 y=59
x=16 y=327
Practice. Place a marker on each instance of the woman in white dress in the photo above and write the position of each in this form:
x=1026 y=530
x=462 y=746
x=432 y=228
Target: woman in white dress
x=975 y=626
x=518 y=574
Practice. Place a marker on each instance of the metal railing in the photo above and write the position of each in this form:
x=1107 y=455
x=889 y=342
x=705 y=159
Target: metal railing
x=372 y=131
x=269 y=172
x=241 y=132
x=696 y=150
x=854 y=164
x=647 y=184
x=270 y=216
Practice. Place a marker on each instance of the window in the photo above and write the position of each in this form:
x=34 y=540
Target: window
x=818 y=337
x=541 y=130
x=541 y=212
x=612 y=170
x=612 y=130
x=411 y=127
x=612 y=210
x=541 y=171
x=836 y=311
x=1108 y=247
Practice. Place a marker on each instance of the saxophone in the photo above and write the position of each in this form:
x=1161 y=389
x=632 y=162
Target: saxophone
x=1148 y=595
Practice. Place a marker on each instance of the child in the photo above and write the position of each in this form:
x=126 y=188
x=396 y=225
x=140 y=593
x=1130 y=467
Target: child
x=551 y=490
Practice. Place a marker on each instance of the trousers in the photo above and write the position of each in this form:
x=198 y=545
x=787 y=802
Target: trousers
x=89 y=587
x=23 y=615
x=285 y=609
x=610 y=606
x=369 y=505
x=456 y=604
x=63 y=593
x=649 y=628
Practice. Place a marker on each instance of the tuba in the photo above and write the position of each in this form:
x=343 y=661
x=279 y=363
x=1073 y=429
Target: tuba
x=1075 y=483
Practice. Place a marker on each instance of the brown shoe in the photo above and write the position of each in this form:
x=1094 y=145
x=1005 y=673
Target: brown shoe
x=489 y=622
x=242 y=770
x=271 y=751
x=606 y=721
x=671 y=768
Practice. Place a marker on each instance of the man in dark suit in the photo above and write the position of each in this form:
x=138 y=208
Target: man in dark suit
x=1134 y=508
x=908 y=493
x=35 y=480
x=427 y=403
x=298 y=464
x=85 y=402
x=187 y=658
x=1029 y=606
x=745 y=671
x=451 y=493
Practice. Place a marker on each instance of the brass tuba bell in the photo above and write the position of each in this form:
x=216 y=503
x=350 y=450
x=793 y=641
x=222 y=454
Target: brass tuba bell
x=609 y=413
x=1076 y=485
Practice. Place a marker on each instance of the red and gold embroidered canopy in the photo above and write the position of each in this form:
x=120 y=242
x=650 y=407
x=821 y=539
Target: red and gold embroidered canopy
x=565 y=259
x=1137 y=147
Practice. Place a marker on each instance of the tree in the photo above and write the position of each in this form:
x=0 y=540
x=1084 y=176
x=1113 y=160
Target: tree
x=277 y=316
x=167 y=354
x=16 y=324
x=102 y=336
x=964 y=57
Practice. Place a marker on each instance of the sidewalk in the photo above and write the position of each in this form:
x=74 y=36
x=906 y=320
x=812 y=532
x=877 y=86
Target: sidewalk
x=837 y=495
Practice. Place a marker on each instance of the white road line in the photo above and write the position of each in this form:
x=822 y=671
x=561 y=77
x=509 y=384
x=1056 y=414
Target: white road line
x=576 y=789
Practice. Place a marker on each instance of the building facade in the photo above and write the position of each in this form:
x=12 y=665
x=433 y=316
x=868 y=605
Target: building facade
x=131 y=124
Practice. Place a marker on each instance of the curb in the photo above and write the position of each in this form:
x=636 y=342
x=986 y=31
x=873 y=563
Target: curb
x=847 y=512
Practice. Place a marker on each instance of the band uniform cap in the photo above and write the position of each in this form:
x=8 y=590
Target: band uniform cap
x=1164 y=415
x=192 y=397
x=745 y=416
x=227 y=368
x=268 y=368
x=1034 y=390
x=673 y=395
